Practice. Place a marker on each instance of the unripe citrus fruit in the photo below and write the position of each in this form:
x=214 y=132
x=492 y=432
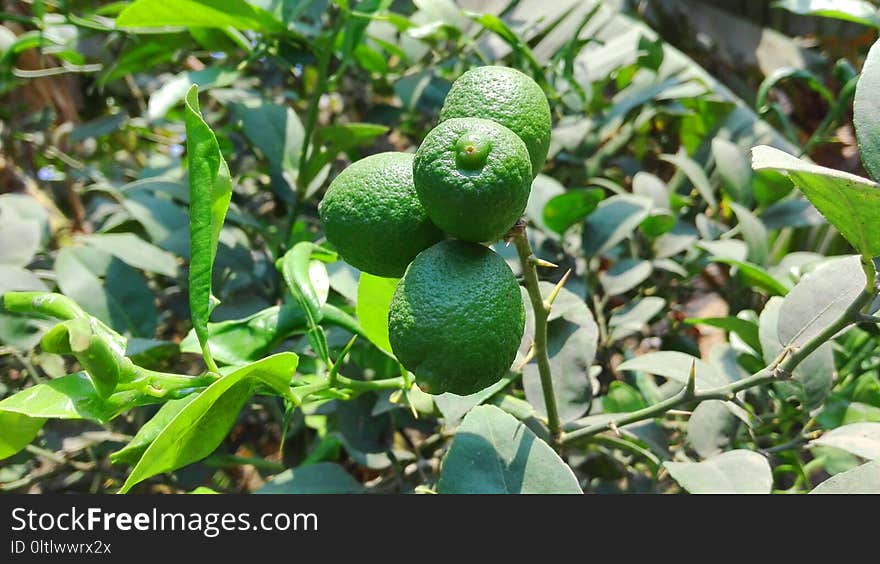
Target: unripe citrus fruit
x=473 y=178
x=456 y=318
x=508 y=97
x=371 y=214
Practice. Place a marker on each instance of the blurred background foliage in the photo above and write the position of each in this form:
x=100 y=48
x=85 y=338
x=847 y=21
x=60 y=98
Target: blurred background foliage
x=648 y=196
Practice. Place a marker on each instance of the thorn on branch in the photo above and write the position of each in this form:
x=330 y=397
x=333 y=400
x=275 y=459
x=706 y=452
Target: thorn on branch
x=541 y=262
x=691 y=388
x=613 y=426
x=552 y=297
x=527 y=359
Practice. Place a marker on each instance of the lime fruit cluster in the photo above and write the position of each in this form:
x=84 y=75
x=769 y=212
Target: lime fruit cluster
x=373 y=217
x=506 y=96
x=456 y=318
x=474 y=177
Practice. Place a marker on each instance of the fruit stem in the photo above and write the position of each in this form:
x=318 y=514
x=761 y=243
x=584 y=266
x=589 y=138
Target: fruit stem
x=542 y=311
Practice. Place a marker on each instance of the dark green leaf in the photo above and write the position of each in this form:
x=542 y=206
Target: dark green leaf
x=820 y=299
x=494 y=453
x=864 y=479
x=676 y=366
x=614 y=220
x=733 y=166
x=861 y=439
x=320 y=478
x=135 y=252
x=107 y=288
x=732 y=472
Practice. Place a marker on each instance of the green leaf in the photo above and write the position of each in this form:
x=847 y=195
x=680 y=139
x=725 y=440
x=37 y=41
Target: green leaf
x=858 y=11
x=104 y=361
x=453 y=407
x=237 y=14
x=695 y=173
x=19 y=240
x=849 y=202
x=296 y=268
x=320 y=478
x=860 y=439
x=711 y=427
x=746 y=330
x=866 y=111
x=175 y=90
x=199 y=428
x=614 y=220
x=625 y=275
x=732 y=472
x=676 y=366
x=754 y=233
x=133 y=451
x=107 y=288
x=864 y=479
x=732 y=164
x=346 y=136
x=813 y=377
x=210 y=188
x=544 y=189
x=565 y=210
x=17 y=279
x=373 y=302
x=17 y=431
x=809 y=79
x=71 y=397
x=276 y=131
x=622 y=398
x=135 y=252
x=634 y=316
x=755 y=276
x=144 y=52
x=239 y=341
x=493 y=453
x=791 y=213
x=820 y=299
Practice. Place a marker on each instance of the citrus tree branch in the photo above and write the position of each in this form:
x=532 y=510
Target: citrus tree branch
x=781 y=369
x=529 y=262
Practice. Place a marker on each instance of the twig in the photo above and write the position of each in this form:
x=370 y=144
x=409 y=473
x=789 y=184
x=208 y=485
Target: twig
x=542 y=312
x=781 y=369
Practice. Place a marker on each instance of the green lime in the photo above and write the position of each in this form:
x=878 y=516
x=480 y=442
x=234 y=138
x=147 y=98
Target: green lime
x=508 y=97
x=371 y=214
x=457 y=318
x=473 y=177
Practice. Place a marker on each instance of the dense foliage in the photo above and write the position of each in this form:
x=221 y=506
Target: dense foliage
x=701 y=292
